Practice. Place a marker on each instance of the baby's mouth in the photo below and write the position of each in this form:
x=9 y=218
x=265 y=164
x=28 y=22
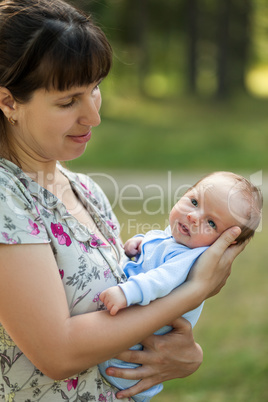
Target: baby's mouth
x=184 y=229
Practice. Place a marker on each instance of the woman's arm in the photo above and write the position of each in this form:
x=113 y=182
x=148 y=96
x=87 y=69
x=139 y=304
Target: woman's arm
x=34 y=311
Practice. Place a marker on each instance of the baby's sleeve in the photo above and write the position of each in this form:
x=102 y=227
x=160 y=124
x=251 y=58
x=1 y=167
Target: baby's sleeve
x=20 y=221
x=159 y=281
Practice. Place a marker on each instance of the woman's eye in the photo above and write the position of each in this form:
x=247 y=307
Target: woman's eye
x=97 y=87
x=70 y=103
x=194 y=202
x=212 y=224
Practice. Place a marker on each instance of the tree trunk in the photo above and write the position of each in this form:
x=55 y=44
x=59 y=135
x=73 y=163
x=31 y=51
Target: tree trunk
x=191 y=21
x=223 y=48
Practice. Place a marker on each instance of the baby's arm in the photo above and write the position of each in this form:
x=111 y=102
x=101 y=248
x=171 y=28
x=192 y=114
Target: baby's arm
x=114 y=299
x=132 y=246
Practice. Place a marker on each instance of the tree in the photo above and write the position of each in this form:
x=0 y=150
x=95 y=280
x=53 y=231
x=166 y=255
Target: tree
x=216 y=35
x=224 y=26
x=192 y=21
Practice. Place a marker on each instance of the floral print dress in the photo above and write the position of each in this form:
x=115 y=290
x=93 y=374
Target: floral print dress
x=30 y=214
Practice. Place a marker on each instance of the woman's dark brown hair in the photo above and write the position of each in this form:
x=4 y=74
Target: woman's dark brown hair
x=48 y=44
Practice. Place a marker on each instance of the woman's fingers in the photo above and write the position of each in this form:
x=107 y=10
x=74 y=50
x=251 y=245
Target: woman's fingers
x=130 y=374
x=145 y=375
x=213 y=268
x=164 y=357
x=224 y=241
x=141 y=386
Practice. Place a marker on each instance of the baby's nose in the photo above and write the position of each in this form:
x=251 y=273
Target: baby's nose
x=193 y=218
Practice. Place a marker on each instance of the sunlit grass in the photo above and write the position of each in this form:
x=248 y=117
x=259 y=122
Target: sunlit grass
x=183 y=134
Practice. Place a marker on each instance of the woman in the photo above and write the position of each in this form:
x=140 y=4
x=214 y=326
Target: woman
x=60 y=244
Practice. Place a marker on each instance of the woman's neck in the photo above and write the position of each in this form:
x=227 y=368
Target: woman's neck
x=41 y=170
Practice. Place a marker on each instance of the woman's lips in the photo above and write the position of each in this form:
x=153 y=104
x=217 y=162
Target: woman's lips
x=81 y=139
x=184 y=229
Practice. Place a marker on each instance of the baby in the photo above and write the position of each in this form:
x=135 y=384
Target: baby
x=163 y=259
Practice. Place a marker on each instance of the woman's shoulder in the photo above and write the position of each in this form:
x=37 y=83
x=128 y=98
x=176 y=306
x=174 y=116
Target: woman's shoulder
x=6 y=173
x=11 y=181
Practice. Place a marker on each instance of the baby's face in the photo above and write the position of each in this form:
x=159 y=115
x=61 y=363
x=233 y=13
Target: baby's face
x=206 y=211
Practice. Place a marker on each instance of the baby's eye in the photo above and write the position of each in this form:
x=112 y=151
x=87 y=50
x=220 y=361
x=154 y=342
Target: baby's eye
x=194 y=202
x=212 y=224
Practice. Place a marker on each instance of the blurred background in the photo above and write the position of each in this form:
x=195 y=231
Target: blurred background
x=187 y=95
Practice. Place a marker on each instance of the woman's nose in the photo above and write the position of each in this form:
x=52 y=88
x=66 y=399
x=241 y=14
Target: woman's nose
x=90 y=115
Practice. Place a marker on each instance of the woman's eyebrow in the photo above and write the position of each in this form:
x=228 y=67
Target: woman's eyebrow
x=70 y=95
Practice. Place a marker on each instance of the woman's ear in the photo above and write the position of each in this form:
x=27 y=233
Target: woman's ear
x=7 y=102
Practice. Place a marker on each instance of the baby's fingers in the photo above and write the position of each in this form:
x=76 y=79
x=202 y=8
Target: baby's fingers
x=113 y=309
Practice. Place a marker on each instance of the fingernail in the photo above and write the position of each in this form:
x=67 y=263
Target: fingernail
x=236 y=231
x=110 y=371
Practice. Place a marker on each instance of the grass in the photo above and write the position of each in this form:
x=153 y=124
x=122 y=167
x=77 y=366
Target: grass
x=181 y=134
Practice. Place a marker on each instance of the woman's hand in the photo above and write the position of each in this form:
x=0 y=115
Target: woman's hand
x=213 y=268
x=164 y=357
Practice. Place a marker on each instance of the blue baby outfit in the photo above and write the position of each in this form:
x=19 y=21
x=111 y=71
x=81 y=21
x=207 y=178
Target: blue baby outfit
x=162 y=266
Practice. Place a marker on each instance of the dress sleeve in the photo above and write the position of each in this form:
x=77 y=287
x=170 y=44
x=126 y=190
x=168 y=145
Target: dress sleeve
x=20 y=221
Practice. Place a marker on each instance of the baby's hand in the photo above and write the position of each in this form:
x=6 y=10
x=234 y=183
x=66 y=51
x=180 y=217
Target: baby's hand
x=132 y=246
x=114 y=299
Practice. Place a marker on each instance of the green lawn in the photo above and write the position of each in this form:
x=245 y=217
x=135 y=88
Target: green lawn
x=183 y=134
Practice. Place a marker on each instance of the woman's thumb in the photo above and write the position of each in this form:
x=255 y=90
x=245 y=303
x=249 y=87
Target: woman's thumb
x=228 y=237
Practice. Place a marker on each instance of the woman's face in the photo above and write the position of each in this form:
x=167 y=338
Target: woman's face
x=56 y=125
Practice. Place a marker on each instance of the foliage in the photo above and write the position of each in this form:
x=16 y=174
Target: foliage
x=215 y=38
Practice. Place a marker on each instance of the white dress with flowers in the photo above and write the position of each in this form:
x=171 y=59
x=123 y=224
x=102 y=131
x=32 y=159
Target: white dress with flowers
x=29 y=214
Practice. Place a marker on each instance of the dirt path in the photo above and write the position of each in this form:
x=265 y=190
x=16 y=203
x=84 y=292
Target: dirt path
x=147 y=184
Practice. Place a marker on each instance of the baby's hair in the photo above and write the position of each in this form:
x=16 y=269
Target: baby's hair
x=253 y=197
